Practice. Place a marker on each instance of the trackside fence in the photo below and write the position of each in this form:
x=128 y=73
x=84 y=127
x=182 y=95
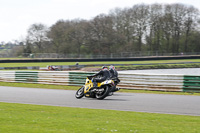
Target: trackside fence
x=159 y=82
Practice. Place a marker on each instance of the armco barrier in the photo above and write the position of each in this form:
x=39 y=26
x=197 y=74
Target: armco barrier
x=191 y=83
x=45 y=77
x=26 y=76
x=161 y=82
x=78 y=78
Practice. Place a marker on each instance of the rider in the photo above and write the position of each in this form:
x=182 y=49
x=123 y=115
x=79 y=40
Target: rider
x=103 y=75
x=114 y=76
x=113 y=72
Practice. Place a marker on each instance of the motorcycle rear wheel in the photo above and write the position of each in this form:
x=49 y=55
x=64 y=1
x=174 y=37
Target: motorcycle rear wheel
x=103 y=94
x=80 y=93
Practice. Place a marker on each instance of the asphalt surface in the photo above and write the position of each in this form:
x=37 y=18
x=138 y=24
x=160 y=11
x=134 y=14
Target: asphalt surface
x=138 y=102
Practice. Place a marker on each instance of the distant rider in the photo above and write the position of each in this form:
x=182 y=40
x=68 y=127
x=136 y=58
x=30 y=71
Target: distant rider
x=114 y=76
x=113 y=72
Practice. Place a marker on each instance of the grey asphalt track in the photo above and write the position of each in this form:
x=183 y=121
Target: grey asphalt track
x=138 y=102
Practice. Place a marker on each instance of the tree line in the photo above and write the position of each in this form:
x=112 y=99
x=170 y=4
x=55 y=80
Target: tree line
x=163 y=28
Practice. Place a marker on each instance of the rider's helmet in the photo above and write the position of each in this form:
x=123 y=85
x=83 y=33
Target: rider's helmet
x=112 y=67
x=104 y=68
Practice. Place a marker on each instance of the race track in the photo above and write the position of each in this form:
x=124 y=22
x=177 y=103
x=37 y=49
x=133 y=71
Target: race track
x=138 y=102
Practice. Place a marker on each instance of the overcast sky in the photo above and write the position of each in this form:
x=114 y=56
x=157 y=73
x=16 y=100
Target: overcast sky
x=16 y=16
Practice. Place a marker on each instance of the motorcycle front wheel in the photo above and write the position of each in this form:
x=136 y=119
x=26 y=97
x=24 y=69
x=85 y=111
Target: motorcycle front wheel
x=102 y=93
x=80 y=93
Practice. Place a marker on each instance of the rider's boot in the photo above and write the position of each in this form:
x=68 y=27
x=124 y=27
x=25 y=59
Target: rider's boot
x=113 y=89
x=116 y=89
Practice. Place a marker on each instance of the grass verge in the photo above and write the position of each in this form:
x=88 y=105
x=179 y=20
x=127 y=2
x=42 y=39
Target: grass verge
x=44 y=86
x=29 y=85
x=22 y=118
x=44 y=64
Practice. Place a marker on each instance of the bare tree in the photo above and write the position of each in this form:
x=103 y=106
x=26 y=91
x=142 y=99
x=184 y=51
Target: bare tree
x=140 y=15
x=77 y=34
x=123 y=23
x=58 y=36
x=102 y=34
x=37 y=34
x=189 y=24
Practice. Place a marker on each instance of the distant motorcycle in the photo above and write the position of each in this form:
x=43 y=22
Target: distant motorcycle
x=100 y=91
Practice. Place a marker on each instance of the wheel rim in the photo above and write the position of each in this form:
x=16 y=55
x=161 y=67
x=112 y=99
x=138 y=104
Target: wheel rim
x=100 y=93
x=80 y=92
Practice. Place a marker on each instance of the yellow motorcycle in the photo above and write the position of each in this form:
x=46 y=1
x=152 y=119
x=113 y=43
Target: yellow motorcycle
x=100 y=91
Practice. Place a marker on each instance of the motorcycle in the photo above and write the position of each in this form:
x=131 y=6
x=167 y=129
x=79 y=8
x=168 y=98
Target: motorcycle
x=100 y=91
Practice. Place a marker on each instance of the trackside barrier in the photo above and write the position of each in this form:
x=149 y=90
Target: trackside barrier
x=26 y=76
x=191 y=83
x=78 y=78
x=159 y=82
x=162 y=82
x=45 y=77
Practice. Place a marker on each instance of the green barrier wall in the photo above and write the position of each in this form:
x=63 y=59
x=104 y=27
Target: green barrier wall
x=25 y=76
x=78 y=78
x=191 y=83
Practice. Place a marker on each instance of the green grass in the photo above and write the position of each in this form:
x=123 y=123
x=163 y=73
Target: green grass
x=22 y=118
x=159 y=92
x=44 y=64
x=29 y=85
x=45 y=86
